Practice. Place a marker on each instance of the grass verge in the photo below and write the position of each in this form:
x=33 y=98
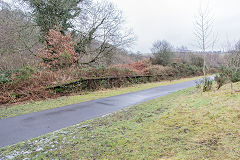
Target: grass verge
x=187 y=124
x=7 y=112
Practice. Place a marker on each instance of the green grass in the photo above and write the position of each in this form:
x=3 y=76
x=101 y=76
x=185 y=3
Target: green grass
x=11 y=111
x=187 y=124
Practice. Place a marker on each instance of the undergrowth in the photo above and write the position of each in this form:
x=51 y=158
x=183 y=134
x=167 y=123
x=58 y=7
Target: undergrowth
x=29 y=84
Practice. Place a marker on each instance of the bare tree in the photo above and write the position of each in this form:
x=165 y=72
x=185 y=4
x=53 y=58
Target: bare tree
x=18 y=38
x=162 y=52
x=99 y=31
x=233 y=59
x=203 y=31
x=18 y=32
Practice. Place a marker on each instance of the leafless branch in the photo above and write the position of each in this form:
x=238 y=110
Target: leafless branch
x=100 y=30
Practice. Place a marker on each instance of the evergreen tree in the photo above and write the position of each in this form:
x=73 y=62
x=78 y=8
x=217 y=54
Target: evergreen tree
x=51 y=13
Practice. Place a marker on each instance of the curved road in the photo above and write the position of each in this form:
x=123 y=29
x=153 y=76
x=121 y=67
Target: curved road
x=21 y=128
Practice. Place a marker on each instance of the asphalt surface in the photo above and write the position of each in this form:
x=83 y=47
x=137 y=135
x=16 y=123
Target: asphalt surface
x=21 y=128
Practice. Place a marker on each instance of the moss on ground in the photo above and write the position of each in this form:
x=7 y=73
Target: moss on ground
x=187 y=124
x=11 y=111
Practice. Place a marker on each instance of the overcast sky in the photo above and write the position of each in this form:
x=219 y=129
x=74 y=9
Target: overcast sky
x=173 y=20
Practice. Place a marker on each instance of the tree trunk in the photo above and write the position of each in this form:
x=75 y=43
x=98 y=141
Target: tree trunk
x=231 y=88
x=204 y=72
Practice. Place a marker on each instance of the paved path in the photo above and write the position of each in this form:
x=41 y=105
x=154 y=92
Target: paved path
x=20 y=128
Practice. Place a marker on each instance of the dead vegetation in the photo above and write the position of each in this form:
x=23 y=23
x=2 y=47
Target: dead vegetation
x=29 y=84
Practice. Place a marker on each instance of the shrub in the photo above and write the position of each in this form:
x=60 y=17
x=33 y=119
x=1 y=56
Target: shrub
x=23 y=74
x=182 y=70
x=5 y=77
x=157 y=70
x=197 y=60
x=221 y=80
x=59 y=51
x=225 y=75
x=205 y=83
x=17 y=75
x=236 y=76
x=137 y=68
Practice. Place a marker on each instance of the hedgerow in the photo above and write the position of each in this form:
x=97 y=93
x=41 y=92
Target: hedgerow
x=29 y=84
